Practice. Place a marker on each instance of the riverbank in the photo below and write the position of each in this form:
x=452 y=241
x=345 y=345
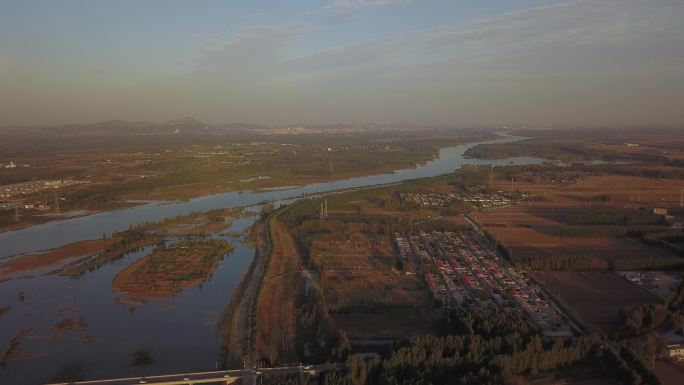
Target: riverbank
x=236 y=329
x=277 y=165
x=76 y=258
x=35 y=263
x=197 y=313
x=91 y=227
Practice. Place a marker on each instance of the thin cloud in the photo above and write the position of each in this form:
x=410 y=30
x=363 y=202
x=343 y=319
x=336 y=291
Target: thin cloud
x=352 y=5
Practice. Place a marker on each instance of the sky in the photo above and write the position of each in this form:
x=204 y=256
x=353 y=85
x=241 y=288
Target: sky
x=583 y=63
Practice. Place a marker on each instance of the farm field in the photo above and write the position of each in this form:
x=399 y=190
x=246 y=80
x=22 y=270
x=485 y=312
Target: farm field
x=590 y=217
x=531 y=232
x=629 y=191
x=624 y=191
x=596 y=298
x=639 y=147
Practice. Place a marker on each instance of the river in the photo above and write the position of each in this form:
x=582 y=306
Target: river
x=179 y=331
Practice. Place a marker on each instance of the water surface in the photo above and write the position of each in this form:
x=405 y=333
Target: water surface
x=180 y=332
x=60 y=232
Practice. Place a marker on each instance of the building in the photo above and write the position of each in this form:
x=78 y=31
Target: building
x=676 y=351
x=660 y=211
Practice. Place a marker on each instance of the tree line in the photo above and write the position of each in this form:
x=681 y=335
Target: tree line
x=489 y=347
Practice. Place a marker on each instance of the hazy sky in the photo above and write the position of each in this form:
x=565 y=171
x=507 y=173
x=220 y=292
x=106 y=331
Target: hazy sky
x=586 y=62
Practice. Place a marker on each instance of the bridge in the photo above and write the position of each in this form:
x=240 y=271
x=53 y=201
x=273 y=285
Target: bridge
x=219 y=376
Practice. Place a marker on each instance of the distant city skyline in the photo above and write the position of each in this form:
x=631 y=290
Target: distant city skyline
x=584 y=63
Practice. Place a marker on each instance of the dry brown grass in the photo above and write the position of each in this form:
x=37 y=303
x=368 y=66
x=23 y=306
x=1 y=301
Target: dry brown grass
x=53 y=257
x=367 y=298
x=167 y=271
x=275 y=338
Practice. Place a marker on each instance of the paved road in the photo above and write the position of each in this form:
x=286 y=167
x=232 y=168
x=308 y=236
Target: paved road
x=214 y=376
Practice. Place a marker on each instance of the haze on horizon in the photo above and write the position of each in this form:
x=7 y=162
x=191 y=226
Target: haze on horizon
x=493 y=62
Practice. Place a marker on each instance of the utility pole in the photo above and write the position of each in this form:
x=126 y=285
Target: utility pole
x=16 y=211
x=56 y=202
x=324 y=209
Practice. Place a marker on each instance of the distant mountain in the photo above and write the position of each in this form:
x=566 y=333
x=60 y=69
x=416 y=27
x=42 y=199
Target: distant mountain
x=185 y=125
x=186 y=121
x=119 y=123
x=120 y=127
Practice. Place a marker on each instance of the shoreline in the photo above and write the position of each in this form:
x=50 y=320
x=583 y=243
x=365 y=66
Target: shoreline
x=266 y=185
x=80 y=229
x=238 y=320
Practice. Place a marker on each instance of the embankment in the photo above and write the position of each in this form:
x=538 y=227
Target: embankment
x=238 y=322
